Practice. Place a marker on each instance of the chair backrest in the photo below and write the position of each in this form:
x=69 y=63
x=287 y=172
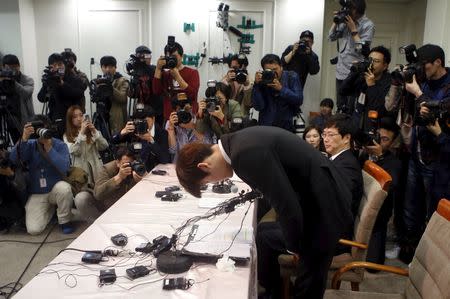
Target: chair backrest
x=429 y=271
x=376 y=183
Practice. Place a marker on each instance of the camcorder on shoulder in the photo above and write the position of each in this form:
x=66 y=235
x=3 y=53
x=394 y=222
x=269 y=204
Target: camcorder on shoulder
x=135 y=66
x=171 y=60
x=404 y=73
x=267 y=76
x=7 y=85
x=52 y=77
x=181 y=100
x=101 y=91
x=341 y=15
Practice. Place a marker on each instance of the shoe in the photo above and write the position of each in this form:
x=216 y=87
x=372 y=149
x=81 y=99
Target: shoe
x=67 y=228
x=392 y=253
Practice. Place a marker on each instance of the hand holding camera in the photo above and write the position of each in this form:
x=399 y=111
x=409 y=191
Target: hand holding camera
x=201 y=108
x=414 y=88
x=370 y=77
x=28 y=130
x=173 y=120
x=276 y=84
x=129 y=128
x=231 y=75
x=125 y=171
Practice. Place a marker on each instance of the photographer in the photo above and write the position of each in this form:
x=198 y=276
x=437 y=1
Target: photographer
x=218 y=111
x=70 y=60
x=23 y=90
x=277 y=94
x=143 y=129
x=428 y=173
x=383 y=154
x=181 y=126
x=60 y=90
x=369 y=81
x=116 y=178
x=47 y=159
x=142 y=72
x=353 y=32
x=172 y=77
x=118 y=101
x=300 y=57
x=237 y=77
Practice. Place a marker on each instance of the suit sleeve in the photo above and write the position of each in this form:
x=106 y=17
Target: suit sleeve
x=271 y=179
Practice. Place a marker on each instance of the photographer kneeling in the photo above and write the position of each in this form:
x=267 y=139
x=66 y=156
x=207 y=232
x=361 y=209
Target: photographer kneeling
x=48 y=160
x=218 y=113
x=152 y=138
x=117 y=177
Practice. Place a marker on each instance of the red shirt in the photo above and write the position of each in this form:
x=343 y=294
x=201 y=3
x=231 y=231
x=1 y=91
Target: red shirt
x=170 y=88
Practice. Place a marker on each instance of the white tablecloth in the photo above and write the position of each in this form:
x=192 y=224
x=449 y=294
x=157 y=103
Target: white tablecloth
x=142 y=217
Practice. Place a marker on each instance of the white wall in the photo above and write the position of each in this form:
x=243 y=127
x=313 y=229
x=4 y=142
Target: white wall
x=291 y=18
x=10 y=41
x=437 y=25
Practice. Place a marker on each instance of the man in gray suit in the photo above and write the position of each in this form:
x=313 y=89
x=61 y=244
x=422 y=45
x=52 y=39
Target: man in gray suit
x=304 y=187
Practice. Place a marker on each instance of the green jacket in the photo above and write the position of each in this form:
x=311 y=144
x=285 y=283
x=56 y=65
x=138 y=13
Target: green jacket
x=209 y=123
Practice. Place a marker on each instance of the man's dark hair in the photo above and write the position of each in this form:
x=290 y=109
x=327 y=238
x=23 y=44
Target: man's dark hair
x=269 y=59
x=108 y=61
x=327 y=102
x=55 y=58
x=389 y=124
x=10 y=59
x=236 y=57
x=175 y=47
x=69 y=54
x=143 y=50
x=429 y=53
x=224 y=88
x=343 y=123
x=43 y=118
x=124 y=151
x=359 y=6
x=188 y=173
x=383 y=50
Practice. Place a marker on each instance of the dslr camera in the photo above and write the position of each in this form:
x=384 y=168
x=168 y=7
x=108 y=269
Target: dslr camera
x=370 y=134
x=137 y=164
x=41 y=131
x=267 y=76
x=211 y=100
x=361 y=67
x=340 y=16
x=171 y=60
x=140 y=122
x=184 y=116
x=438 y=110
x=404 y=73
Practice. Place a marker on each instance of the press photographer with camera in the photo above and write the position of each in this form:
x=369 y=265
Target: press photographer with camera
x=300 y=57
x=429 y=172
x=47 y=159
x=60 y=90
x=21 y=92
x=383 y=153
x=369 y=81
x=117 y=177
x=172 y=77
x=277 y=94
x=141 y=70
x=237 y=77
x=70 y=61
x=218 y=112
x=114 y=92
x=353 y=32
x=181 y=126
x=153 y=139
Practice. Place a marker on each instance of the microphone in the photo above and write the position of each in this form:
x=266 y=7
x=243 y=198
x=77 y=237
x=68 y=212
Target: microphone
x=230 y=205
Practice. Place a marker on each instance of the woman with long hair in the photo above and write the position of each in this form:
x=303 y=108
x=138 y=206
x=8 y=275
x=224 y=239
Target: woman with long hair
x=312 y=135
x=84 y=142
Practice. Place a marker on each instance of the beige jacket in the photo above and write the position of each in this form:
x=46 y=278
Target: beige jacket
x=118 y=112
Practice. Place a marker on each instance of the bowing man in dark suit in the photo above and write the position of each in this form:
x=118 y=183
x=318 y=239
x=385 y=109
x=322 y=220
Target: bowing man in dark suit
x=305 y=189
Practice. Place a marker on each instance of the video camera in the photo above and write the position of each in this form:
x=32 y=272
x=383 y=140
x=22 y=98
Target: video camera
x=101 y=91
x=135 y=66
x=370 y=134
x=267 y=76
x=171 y=60
x=341 y=15
x=404 y=73
x=7 y=85
x=52 y=77
x=438 y=110
x=183 y=115
x=41 y=131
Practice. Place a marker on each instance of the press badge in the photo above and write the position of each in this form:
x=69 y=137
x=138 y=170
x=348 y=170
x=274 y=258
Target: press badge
x=43 y=182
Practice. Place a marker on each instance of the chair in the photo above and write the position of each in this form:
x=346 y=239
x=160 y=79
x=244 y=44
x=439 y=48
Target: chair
x=429 y=272
x=376 y=185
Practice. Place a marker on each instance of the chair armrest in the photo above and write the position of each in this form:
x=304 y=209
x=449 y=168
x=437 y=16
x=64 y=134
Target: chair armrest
x=336 y=282
x=353 y=244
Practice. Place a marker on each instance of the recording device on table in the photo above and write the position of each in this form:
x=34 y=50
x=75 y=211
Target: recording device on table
x=159 y=172
x=224 y=187
x=367 y=136
x=180 y=283
x=267 y=76
x=168 y=195
x=181 y=100
x=171 y=60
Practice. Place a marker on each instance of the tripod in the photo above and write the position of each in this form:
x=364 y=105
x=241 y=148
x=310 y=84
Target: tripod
x=9 y=126
x=100 y=120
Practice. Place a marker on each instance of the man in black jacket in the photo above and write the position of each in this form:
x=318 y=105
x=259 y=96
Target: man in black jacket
x=148 y=135
x=370 y=86
x=286 y=171
x=60 y=90
x=300 y=57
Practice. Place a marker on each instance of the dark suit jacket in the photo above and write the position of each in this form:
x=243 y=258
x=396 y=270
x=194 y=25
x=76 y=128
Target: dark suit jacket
x=303 y=186
x=347 y=164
